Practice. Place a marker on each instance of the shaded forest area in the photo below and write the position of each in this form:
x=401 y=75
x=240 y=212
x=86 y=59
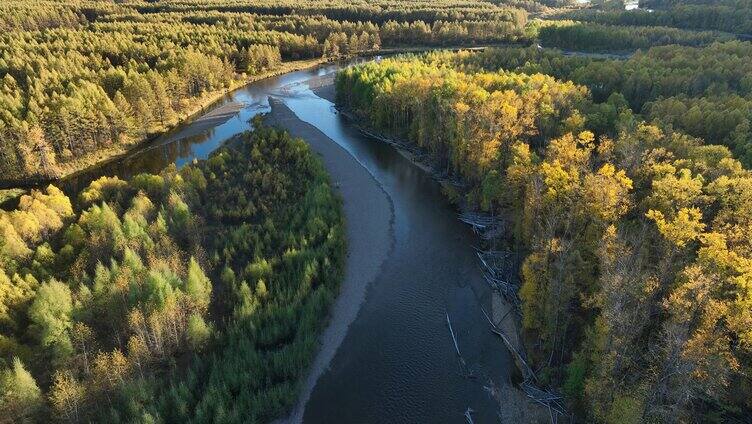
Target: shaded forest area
x=588 y=37
x=192 y=295
x=633 y=285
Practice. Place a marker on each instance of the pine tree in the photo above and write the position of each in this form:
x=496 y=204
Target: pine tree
x=20 y=397
x=163 y=108
x=67 y=395
x=51 y=315
x=126 y=112
x=37 y=155
x=197 y=285
x=198 y=332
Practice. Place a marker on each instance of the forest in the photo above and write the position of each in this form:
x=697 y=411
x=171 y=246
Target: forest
x=82 y=80
x=146 y=301
x=577 y=36
x=610 y=149
x=633 y=287
x=734 y=16
x=702 y=91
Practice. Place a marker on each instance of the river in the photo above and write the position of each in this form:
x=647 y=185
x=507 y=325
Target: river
x=392 y=359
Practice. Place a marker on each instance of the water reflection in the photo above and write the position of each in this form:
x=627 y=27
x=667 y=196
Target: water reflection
x=199 y=137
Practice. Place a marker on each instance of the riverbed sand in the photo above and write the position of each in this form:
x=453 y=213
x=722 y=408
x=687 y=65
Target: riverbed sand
x=514 y=406
x=369 y=217
x=212 y=119
x=325 y=90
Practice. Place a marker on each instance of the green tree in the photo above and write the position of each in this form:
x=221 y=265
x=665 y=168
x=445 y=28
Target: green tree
x=197 y=285
x=198 y=332
x=50 y=314
x=20 y=397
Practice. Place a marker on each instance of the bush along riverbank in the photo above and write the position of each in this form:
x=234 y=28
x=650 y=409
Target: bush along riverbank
x=579 y=225
x=190 y=295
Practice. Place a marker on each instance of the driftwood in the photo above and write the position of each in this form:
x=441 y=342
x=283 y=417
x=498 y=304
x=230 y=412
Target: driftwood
x=478 y=220
x=497 y=266
x=454 y=339
x=527 y=372
x=487 y=226
x=552 y=401
x=468 y=415
x=465 y=371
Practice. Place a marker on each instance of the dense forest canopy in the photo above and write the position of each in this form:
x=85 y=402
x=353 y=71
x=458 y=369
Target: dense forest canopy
x=579 y=36
x=611 y=148
x=722 y=15
x=633 y=288
x=704 y=92
x=189 y=295
x=81 y=77
x=361 y=10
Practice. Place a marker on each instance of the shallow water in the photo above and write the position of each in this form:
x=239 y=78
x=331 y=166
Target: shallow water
x=198 y=137
x=397 y=363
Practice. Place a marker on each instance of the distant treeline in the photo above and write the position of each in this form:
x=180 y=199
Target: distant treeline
x=634 y=285
x=377 y=12
x=669 y=4
x=733 y=16
x=571 y=35
x=192 y=295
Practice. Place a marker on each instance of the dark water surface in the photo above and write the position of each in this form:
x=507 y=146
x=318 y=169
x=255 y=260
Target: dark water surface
x=397 y=363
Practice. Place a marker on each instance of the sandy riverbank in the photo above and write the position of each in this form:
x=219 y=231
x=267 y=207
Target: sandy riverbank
x=524 y=409
x=326 y=91
x=369 y=219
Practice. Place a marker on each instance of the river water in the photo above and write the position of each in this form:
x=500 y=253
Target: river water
x=397 y=362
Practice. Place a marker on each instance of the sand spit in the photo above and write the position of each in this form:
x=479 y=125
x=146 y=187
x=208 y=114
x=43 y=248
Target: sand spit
x=369 y=216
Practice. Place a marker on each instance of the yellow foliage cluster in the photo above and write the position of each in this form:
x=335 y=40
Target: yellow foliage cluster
x=38 y=215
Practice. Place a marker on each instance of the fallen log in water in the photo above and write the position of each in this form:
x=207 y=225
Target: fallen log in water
x=478 y=220
x=495 y=271
x=487 y=226
x=468 y=415
x=546 y=398
x=553 y=402
x=527 y=372
x=454 y=339
x=465 y=372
